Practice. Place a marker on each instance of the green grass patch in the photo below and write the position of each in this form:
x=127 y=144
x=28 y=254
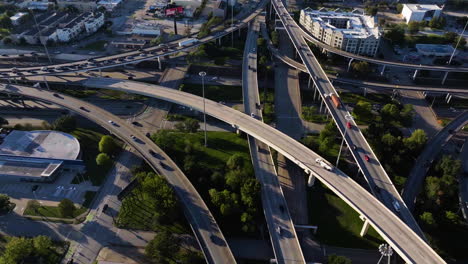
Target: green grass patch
x=89 y=141
x=372 y=98
x=268 y=109
x=99 y=45
x=310 y=113
x=338 y=224
x=215 y=92
x=52 y=211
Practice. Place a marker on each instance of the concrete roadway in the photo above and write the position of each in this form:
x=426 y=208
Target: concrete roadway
x=404 y=240
x=281 y=228
x=209 y=235
x=415 y=180
x=376 y=85
x=379 y=182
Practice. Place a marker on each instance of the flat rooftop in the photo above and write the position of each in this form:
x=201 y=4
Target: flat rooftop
x=435 y=48
x=41 y=144
x=29 y=167
x=422 y=8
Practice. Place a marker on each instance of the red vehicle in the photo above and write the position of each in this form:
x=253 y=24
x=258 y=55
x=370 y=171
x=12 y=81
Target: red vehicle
x=348 y=124
x=336 y=100
x=366 y=158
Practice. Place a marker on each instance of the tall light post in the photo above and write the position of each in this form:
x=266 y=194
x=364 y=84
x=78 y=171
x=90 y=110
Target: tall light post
x=203 y=74
x=39 y=33
x=386 y=251
x=458 y=42
x=348 y=118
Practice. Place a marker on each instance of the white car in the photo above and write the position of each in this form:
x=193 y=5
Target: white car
x=324 y=164
x=396 y=205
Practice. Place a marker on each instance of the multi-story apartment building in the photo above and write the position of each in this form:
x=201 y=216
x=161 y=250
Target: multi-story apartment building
x=348 y=31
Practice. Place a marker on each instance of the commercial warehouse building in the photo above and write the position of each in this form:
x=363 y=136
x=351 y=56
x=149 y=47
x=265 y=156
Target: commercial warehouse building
x=348 y=31
x=37 y=156
x=418 y=13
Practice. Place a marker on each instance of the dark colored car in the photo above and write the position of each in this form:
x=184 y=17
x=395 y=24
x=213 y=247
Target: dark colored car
x=104 y=208
x=35 y=187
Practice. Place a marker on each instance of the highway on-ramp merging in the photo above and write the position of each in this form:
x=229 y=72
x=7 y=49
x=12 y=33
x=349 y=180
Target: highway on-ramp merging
x=409 y=245
x=283 y=236
x=203 y=224
x=379 y=182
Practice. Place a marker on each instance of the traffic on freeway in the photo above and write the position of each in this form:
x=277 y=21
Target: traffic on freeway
x=283 y=235
x=204 y=226
x=379 y=182
x=409 y=245
x=131 y=57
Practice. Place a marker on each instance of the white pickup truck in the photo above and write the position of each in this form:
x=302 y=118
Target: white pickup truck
x=324 y=164
x=187 y=42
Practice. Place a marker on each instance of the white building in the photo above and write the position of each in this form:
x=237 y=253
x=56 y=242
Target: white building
x=415 y=12
x=94 y=23
x=109 y=5
x=147 y=29
x=16 y=19
x=351 y=32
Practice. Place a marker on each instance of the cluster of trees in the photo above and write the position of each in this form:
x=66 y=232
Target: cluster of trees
x=392 y=114
x=205 y=29
x=441 y=191
x=362 y=68
x=238 y=179
x=231 y=187
x=150 y=204
x=334 y=259
x=108 y=148
x=325 y=142
x=165 y=248
x=275 y=38
x=188 y=125
x=5 y=204
x=310 y=113
x=21 y=250
x=211 y=50
x=66 y=123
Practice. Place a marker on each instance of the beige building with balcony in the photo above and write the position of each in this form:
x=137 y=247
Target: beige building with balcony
x=348 y=31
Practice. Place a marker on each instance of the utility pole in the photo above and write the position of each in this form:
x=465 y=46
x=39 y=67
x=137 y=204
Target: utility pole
x=203 y=74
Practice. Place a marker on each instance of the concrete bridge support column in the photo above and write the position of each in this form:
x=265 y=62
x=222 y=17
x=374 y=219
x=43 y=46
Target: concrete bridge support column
x=46 y=83
x=415 y=74
x=100 y=72
x=308 y=83
x=383 y=71
x=311 y=180
x=271 y=10
x=349 y=64
x=321 y=105
x=365 y=227
x=315 y=90
x=445 y=78
x=159 y=63
x=449 y=97
x=365 y=91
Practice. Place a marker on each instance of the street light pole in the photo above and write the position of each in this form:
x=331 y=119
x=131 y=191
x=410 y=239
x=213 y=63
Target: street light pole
x=203 y=74
x=38 y=32
x=458 y=42
x=386 y=251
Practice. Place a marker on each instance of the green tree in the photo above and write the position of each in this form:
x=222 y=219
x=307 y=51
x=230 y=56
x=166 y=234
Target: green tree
x=17 y=249
x=67 y=208
x=162 y=195
x=452 y=217
x=42 y=244
x=396 y=34
x=275 y=38
x=432 y=187
x=235 y=162
x=102 y=159
x=413 y=27
x=361 y=67
x=220 y=60
x=415 y=143
x=407 y=115
x=5 y=21
x=399 y=8
x=250 y=191
x=5 y=203
x=65 y=123
x=371 y=10
x=334 y=259
x=448 y=166
x=428 y=219
x=261 y=42
x=33 y=205
x=107 y=145
x=157 y=41
x=363 y=111
x=162 y=248
x=190 y=257
x=437 y=22
x=390 y=112
x=226 y=201
x=234 y=179
x=263 y=60
x=189 y=125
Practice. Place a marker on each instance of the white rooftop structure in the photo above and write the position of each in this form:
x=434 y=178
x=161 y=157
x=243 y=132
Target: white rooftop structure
x=16 y=18
x=41 y=144
x=349 y=31
x=417 y=12
x=352 y=24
